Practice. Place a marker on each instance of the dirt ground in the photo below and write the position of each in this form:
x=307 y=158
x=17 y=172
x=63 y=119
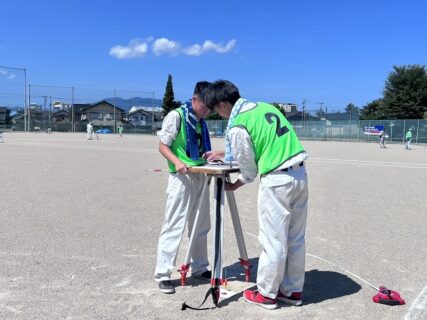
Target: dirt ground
x=80 y=222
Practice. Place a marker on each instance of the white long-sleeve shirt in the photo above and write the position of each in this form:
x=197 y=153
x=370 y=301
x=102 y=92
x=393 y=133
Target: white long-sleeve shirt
x=243 y=152
x=170 y=128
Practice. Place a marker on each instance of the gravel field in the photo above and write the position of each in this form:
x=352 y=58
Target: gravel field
x=80 y=222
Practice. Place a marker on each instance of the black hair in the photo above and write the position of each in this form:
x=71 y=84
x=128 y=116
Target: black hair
x=200 y=88
x=221 y=91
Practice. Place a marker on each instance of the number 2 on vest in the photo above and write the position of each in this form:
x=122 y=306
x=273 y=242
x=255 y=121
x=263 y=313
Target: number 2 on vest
x=280 y=131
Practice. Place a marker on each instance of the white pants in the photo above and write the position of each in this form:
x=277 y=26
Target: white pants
x=89 y=135
x=183 y=196
x=282 y=216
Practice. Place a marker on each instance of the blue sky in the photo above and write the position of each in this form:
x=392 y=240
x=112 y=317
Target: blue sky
x=335 y=52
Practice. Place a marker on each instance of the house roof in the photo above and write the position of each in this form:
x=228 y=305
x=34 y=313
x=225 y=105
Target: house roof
x=78 y=107
x=98 y=103
x=142 y=111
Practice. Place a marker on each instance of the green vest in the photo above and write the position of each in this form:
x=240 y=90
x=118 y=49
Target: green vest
x=408 y=135
x=273 y=138
x=179 y=145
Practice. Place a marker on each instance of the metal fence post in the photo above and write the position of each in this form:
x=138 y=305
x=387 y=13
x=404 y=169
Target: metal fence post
x=418 y=125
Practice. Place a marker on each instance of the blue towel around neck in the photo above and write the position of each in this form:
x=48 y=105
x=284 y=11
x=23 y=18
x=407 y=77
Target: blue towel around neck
x=192 y=147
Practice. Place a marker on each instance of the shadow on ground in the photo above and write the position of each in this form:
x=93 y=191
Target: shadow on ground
x=319 y=285
x=325 y=285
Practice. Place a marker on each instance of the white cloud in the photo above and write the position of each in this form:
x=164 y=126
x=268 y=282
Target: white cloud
x=7 y=74
x=165 y=46
x=208 y=45
x=194 y=50
x=135 y=49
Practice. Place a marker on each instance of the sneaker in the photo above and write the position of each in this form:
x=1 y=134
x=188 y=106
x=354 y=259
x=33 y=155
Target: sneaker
x=166 y=287
x=207 y=275
x=253 y=296
x=295 y=299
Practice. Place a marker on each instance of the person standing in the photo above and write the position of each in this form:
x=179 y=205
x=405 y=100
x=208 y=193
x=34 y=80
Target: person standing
x=120 y=130
x=261 y=140
x=184 y=138
x=408 y=139
x=382 y=139
x=89 y=131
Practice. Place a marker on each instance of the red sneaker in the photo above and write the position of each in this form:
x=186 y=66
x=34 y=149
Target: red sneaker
x=257 y=298
x=295 y=299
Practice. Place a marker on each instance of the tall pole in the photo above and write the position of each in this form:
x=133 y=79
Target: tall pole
x=25 y=98
x=44 y=109
x=114 y=108
x=73 y=129
x=50 y=112
x=152 y=116
x=29 y=108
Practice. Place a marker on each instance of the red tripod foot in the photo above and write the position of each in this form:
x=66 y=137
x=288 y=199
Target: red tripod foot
x=183 y=271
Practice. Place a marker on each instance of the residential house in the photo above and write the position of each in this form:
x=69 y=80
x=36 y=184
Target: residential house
x=100 y=113
x=3 y=115
x=137 y=116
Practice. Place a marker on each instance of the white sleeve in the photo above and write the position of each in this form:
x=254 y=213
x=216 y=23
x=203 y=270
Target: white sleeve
x=170 y=128
x=243 y=152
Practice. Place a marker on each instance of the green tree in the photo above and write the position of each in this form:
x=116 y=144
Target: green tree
x=371 y=110
x=352 y=110
x=405 y=93
x=320 y=113
x=169 y=102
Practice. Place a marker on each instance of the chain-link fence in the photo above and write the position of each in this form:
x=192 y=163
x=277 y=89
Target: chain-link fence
x=347 y=130
x=70 y=109
x=13 y=94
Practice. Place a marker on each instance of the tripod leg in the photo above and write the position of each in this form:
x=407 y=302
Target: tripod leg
x=218 y=237
x=186 y=266
x=238 y=232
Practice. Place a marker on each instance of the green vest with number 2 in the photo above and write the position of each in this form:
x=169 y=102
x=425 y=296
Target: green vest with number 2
x=273 y=138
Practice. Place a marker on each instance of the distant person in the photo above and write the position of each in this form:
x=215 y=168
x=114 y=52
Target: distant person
x=262 y=141
x=183 y=140
x=382 y=139
x=120 y=130
x=408 y=139
x=89 y=131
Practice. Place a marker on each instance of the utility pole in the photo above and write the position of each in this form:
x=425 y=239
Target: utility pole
x=114 y=115
x=303 y=110
x=73 y=129
x=152 y=116
x=50 y=112
x=29 y=108
x=44 y=109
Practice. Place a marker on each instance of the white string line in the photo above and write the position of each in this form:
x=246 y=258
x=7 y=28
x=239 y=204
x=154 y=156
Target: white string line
x=337 y=266
x=333 y=264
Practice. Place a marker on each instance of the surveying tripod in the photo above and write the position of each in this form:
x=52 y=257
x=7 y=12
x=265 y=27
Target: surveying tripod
x=221 y=174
